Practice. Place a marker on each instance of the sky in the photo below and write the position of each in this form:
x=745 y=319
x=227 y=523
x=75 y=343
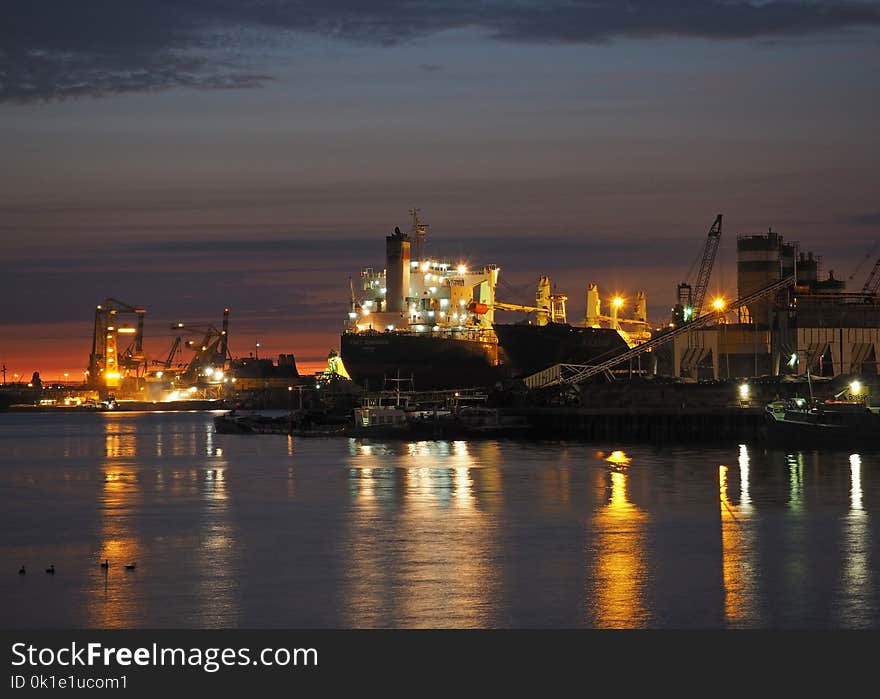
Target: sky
x=189 y=155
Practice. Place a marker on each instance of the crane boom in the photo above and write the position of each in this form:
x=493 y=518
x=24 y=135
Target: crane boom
x=713 y=240
x=872 y=285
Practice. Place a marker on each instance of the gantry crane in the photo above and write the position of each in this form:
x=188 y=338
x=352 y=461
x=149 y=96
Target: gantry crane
x=690 y=304
x=211 y=353
x=169 y=360
x=107 y=364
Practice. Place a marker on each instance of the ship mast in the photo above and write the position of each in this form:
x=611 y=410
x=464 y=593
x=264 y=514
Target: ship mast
x=419 y=230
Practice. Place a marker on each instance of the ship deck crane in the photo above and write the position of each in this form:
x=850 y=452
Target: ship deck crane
x=690 y=306
x=550 y=307
x=577 y=373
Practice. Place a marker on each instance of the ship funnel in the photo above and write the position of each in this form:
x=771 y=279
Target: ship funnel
x=396 y=271
x=593 y=306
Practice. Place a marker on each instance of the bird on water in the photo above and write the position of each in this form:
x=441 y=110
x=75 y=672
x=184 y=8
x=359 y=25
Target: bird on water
x=51 y=569
x=21 y=571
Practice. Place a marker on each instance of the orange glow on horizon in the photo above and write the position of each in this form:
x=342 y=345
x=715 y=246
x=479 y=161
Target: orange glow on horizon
x=57 y=348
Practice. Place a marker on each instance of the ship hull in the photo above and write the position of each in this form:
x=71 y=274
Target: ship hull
x=853 y=426
x=374 y=360
x=528 y=349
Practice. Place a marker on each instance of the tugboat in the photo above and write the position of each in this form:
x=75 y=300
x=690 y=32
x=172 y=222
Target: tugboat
x=843 y=421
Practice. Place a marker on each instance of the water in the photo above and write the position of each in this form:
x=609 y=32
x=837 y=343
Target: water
x=270 y=531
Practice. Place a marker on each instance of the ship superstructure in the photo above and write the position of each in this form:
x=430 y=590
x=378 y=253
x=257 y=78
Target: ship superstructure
x=422 y=318
x=421 y=294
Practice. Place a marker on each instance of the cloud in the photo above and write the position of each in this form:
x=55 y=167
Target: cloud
x=870 y=219
x=57 y=49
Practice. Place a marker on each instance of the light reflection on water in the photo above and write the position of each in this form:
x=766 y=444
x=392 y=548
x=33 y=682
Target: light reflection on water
x=741 y=593
x=618 y=589
x=398 y=580
x=858 y=598
x=279 y=531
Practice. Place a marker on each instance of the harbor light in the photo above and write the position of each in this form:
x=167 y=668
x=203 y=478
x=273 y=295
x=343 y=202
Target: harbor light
x=793 y=360
x=617 y=301
x=718 y=304
x=744 y=391
x=462 y=269
x=855 y=387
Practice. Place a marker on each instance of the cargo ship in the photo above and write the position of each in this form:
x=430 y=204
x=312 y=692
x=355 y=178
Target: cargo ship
x=431 y=323
x=531 y=347
x=421 y=320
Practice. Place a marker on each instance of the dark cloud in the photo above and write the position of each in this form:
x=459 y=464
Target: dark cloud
x=871 y=219
x=56 y=49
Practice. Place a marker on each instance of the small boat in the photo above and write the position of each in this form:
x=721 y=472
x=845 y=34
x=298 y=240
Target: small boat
x=842 y=423
x=235 y=422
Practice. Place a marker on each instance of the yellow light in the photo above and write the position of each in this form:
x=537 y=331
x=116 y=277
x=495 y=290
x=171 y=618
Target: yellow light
x=618 y=458
x=366 y=311
x=113 y=375
x=462 y=269
x=718 y=304
x=127 y=331
x=744 y=391
x=855 y=387
x=425 y=266
x=617 y=301
x=160 y=374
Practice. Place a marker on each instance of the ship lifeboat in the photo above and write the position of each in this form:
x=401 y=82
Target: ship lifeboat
x=478 y=308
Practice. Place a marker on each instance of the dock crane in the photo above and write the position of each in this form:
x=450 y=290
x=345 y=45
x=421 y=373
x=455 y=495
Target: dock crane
x=169 y=360
x=872 y=284
x=690 y=304
x=211 y=353
x=107 y=364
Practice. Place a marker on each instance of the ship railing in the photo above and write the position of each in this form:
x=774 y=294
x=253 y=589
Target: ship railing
x=577 y=373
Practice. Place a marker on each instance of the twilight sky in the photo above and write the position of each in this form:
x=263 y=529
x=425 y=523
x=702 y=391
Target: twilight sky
x=187 y=155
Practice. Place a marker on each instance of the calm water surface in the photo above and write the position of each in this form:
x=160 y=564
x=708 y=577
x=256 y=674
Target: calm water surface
x=270 y=531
